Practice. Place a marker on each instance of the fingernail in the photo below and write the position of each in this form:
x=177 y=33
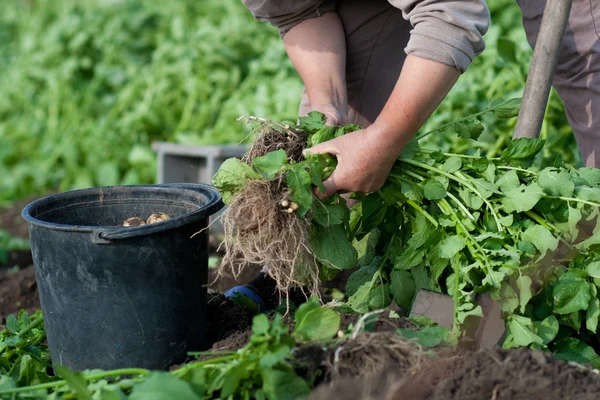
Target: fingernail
x=305 y=152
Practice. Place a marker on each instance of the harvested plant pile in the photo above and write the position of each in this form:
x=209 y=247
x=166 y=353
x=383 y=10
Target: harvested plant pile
x=455 y=223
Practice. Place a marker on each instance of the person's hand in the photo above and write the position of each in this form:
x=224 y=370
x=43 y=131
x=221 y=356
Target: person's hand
x=365 y=159
x=334 y=115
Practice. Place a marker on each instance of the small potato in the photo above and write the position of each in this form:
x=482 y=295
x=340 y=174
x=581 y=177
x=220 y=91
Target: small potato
x=157 y=217
x=134 y=221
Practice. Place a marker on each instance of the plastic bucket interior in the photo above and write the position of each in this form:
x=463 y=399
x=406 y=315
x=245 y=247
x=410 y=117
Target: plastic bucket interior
x=117 y=297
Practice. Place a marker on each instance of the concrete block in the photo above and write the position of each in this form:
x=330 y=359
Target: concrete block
x=178 y=163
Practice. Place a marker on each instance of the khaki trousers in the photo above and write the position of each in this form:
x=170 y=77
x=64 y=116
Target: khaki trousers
x=376 y=35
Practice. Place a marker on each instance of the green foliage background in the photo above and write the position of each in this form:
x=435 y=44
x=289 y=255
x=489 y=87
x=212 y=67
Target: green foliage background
x=86 y=87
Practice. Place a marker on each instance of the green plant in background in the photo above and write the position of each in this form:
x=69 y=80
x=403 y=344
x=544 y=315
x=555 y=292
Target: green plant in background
x=10 y=243
x=86 y=87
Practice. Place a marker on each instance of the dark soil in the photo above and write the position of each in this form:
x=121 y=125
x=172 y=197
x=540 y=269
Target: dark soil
x=486 y=374
x=11 y=221
x=18 y=289
x=225 y=318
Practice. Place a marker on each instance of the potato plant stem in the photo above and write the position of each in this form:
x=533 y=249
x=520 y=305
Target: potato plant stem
x=91 y=377
x=441 y=128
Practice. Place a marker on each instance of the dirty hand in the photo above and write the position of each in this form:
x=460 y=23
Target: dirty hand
x=365 y=159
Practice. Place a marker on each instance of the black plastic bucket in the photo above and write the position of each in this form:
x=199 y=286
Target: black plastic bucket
x=116 y=297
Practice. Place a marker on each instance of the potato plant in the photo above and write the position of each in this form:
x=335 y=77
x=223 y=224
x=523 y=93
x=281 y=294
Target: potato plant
x=455 y=223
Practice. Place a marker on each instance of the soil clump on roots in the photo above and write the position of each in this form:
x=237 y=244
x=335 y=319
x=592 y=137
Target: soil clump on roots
x=275 y=137
x=260 y=230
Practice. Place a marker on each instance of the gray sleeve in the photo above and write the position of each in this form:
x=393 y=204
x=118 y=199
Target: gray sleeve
x=285 y=14
x=447 y=31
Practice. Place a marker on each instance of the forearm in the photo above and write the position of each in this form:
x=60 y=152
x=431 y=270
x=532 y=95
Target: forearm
x=317 y=48
x=420 y=89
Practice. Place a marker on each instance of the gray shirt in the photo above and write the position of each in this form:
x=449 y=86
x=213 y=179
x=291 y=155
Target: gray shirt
x=447 y=31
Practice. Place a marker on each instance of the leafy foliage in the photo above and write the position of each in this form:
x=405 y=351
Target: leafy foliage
x=462 y=225
x=87 y=87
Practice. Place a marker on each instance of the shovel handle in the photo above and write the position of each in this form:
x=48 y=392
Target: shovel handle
x=541 y=71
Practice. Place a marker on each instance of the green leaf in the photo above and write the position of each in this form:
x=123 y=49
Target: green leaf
x=75 y=381
x=318 y=324
x=572 y=349
x=522 y=199
x=547 y=329
x=402 y=288
x=328 y=214
x=12 y=323
x=299 y=183
x=421 y=277
x=312 y=122
x=542 y=239
x=593 y=269
x=509 y=182
x=521 y=152
x=433 y=190
x=284 y=385
x=452 y=164
x=508 y=51
x=260 y=324
x=366 y=247
x=571 y=294
x=468 y=310
x=506 y=297
x=360 y=277
x=508 y=110
x=556 y=182
x=409 y=258
x=522 y=331
x=429 y=336
x=410 y=149
x=163 y=386
x=452 y=245
x=422 y=231
x=112 y=394
x=232 y=176
x=379 y=297
x=306 y=307
x=359 y=300
x=323 y=135
x=591 y=176
x=588 y=193
x=331 y=247
x=593 y=312
x=574 y=218
x=270 y=164
x=232 y=379
x=469 y=129
x=485 y=188
x=524 y=285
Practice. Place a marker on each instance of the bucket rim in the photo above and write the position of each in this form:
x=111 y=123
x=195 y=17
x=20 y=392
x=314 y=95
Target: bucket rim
x=213 y=204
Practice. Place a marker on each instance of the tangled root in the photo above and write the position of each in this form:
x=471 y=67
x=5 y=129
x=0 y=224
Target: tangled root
x=273 y=137
x=372 y=366
x=369 y=353
x=258 y=230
